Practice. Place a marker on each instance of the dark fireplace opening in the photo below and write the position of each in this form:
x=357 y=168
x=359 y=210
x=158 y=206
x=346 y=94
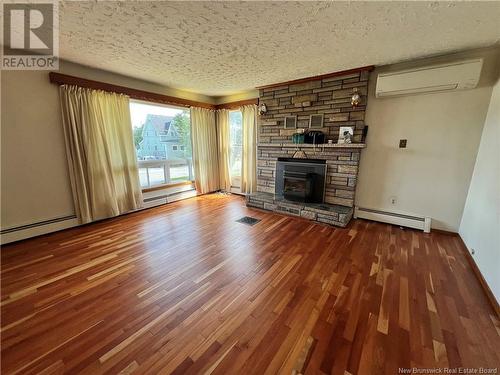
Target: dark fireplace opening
x=297 y=186
x=301 y=180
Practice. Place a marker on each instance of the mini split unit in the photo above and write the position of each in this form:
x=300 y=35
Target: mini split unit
x=446 y=77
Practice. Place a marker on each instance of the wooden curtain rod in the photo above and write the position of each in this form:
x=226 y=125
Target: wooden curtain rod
x=64 y=79
x=315 y=78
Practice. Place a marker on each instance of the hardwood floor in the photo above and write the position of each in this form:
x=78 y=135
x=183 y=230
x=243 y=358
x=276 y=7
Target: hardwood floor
x=185 y=289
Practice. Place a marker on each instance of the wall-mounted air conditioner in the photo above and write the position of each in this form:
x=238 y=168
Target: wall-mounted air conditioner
x=446 y=77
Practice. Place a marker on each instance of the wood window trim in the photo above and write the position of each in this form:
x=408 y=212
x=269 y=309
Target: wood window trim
x=238 y=104
x=64 y=79
x=166 y=186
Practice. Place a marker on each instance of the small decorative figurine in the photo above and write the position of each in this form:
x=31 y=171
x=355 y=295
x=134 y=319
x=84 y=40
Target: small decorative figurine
x=262 y=108
x=355 y=98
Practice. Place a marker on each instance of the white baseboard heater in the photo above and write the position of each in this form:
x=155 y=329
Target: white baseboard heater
x=168 y=198
x=404 y=220
x=22 y=232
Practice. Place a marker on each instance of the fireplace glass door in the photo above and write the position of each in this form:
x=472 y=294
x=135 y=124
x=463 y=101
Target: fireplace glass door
x=297 y=186
x=300 y=180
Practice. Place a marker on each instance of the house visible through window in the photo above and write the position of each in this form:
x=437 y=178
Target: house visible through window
x=162 y=138
x=235 y=140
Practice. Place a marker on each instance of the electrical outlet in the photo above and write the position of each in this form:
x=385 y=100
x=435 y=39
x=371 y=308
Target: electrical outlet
x=402 y=143
x=472 y=251
x=393 y=200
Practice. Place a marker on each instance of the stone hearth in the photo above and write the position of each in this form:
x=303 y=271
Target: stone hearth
x=323 y=213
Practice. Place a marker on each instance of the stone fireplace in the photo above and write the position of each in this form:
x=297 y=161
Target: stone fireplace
x=331 y=97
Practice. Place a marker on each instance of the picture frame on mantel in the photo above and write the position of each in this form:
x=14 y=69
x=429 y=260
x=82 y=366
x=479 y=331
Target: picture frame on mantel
x=290 y=122
x=346 y=134
x=316 y=121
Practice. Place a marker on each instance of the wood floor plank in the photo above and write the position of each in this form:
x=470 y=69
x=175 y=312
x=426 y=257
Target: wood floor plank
x=185 y=289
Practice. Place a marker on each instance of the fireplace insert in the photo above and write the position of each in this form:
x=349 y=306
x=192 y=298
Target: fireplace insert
x=298 y=185
x=301 y=180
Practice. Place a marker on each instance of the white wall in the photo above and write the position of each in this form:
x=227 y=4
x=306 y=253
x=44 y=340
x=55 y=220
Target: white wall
x=480 y=226
x=432 y=175
x=35 y=184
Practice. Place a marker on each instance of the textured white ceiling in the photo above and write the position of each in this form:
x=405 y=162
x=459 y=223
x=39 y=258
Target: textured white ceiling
x=219 y=48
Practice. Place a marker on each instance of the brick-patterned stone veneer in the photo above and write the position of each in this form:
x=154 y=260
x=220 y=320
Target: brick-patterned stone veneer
x=330 y=97
x=341 y=169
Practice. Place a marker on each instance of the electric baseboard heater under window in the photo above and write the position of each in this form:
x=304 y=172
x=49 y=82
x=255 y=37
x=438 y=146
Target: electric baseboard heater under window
x=422 y=223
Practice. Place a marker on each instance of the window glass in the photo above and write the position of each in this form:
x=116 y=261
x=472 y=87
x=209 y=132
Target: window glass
x=235 y=139
x=158 y=132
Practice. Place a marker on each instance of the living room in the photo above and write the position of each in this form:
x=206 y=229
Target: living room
x=250 y=187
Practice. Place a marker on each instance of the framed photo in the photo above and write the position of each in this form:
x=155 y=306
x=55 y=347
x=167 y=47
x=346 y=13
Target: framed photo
x=316 y=121
x=290 y=122
x=345 y=134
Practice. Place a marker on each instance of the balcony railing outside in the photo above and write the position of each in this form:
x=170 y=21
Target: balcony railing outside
x=163 y=172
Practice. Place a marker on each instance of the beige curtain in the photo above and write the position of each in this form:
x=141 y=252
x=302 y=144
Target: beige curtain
x=204 y=137
x=100 y=151
x=223 y=133
x=249 y=156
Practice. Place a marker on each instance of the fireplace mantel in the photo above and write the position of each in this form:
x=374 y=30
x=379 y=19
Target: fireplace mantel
x=308 y=145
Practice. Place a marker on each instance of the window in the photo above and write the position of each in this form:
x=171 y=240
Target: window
x=235 y=139
x=155 y=128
